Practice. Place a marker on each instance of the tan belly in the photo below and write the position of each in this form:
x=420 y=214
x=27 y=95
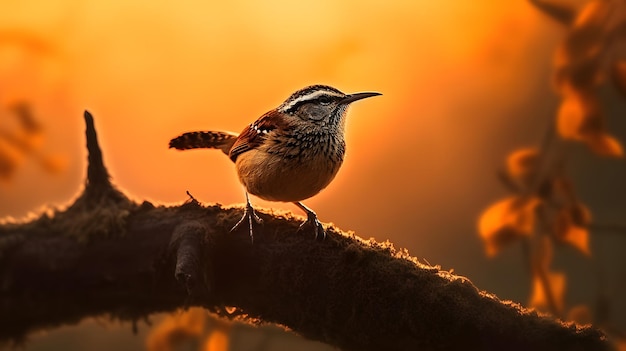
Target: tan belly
x=273 y=178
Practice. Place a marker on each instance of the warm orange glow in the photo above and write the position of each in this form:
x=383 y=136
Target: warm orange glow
x=149 y=71
x=464 y=84
x=420 y=159
x=522 y=165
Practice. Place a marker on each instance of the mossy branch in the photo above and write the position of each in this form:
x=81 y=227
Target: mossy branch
x=131 y=260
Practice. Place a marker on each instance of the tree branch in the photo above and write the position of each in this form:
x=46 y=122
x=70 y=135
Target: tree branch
x=108 y=255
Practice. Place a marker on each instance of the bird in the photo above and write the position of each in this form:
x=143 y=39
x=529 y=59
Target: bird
x=289 y=154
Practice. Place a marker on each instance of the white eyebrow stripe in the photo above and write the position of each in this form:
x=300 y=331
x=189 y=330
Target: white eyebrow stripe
x=308 y=97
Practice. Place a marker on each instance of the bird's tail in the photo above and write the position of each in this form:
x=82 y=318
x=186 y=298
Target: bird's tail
x=204 y=140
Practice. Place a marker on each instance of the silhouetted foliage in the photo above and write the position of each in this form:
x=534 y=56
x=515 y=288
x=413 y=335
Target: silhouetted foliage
x=544 y=209
x=22 y=141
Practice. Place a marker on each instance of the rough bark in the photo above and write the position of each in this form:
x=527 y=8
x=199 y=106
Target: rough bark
x=108 y=255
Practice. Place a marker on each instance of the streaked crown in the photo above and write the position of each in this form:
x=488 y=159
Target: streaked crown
x=320 y=103
x=320 y=94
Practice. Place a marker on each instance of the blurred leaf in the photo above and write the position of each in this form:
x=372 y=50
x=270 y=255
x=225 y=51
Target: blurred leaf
x=539 y=298
x=25 y=140
x=523 y=165
x=618 y=75
x=27 y=137
x=562 y=12
x=579 y=114
x=53 y=163
x=548 y=288
x=578 y=60
x=578 y=237
x=570 y=227
x=580 y=214
x=593 y=13
x=580 y=74
x=26 y=143
x=505 y=179
x=176 y=328
x=580 y=118
x=506 y=221
x=24 y=114
x=584 y=42
x=604 y=144
x=580 y=314
x=9 y=160
x=7 y=167
x=217 y=341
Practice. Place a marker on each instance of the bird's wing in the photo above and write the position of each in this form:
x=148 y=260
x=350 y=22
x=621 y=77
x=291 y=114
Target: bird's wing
x=254 y=134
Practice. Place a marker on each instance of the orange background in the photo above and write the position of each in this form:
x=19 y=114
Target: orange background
x=464 y=83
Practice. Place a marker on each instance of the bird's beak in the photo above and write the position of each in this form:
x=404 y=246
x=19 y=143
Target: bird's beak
x=358 y=96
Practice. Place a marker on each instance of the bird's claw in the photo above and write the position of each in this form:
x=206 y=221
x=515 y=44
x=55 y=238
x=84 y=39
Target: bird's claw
x=318 y=228
x=250 y=215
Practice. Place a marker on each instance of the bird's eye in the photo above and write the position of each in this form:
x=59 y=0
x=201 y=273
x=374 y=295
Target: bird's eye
x=324 y=100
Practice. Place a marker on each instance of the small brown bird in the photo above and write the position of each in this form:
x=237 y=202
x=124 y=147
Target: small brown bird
x=290 y=153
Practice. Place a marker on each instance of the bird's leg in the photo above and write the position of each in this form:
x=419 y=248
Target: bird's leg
x=311 y=220
x=250 y=215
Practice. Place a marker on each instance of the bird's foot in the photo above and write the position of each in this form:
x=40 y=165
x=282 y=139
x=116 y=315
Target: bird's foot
x=318 y=228
x=250 y=216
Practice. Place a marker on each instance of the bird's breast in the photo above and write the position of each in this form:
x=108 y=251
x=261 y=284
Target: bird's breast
x=289 y=173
